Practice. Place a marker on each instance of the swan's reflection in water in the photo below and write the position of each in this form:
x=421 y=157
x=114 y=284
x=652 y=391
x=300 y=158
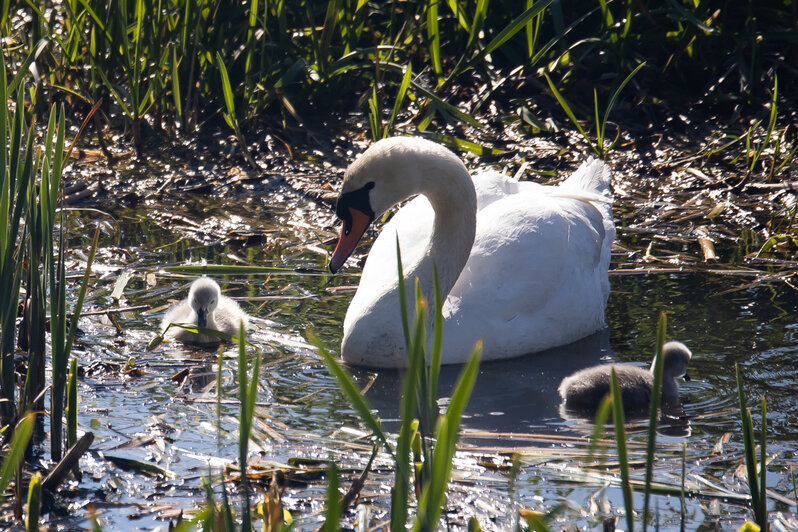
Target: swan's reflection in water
x=509 y=395
x=515 y=396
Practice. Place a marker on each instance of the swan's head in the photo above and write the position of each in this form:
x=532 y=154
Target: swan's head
x=677 y=356
x=389 y=171
x=203 y=297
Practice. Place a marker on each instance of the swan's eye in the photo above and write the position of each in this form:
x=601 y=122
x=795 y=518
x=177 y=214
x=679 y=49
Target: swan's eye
x=356 y=199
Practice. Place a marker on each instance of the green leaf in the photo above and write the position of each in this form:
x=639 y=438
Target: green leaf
x=352 y=393
x=434 y=38
x=623 y=457
x=16 y=451
x=515 y=26
x=653 y=419
x=333 y=515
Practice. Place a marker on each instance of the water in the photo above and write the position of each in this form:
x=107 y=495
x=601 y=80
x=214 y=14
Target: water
x=724 y=319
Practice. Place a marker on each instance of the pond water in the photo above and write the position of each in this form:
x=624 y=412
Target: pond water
x=725 y=318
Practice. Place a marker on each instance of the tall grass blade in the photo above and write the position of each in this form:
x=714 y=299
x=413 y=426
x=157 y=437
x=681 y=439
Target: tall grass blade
x=230 y=116
x=477 y=24
x=34 y=503
x=433 y=497
x=763 y=464
x=400 y=97
x=72 y=404
x=352 y=393
x=248 y=394
x=434 y=40
x=333 y=515
x=16 y=451
x=653 y=418
x=17 y=81
x=750 y=456
x=330 y=20
x=437 y=345
x=681 y=492
x=62 y=346
x=623 y=457
x=402 y=294
x=569 y=112
x=611 y=104
x=515 y=26
x=599 y=422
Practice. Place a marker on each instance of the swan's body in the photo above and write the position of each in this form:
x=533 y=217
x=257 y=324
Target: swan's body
x=585 y=389
x=205 y=307
x=523 y=267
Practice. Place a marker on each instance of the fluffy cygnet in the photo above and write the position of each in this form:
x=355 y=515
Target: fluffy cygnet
x=204 y=307
x=585 y=389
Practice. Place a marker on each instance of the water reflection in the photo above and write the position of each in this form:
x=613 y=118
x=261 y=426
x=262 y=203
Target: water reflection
x=720 y=318
x=514 y=395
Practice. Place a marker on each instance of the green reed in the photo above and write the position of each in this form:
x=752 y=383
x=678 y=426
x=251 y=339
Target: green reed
x=32 y=261
x=600 y=146
x=247 y=395
x=418 y=410
x=34 y=503
x=757 y=474
x=623 y=457
x=160 y=63
x=653 y=418
x=15 y=455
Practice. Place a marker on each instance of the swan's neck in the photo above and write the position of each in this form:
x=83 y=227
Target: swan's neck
x=453 y=199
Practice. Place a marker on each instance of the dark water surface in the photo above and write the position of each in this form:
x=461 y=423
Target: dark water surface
x=724 y=319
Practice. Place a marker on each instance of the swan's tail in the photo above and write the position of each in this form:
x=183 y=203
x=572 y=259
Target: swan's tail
x=590 y=183
x=593 y=176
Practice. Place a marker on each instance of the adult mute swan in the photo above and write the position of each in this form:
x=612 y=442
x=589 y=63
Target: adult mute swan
x=523 y=267
x=585 y=389
x=205 y=307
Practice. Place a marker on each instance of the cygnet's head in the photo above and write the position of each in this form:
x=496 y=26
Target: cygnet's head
x=203 y=298
x=677 y=356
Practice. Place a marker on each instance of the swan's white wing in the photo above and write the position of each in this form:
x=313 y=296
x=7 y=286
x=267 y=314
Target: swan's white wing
x=413 y=225
x=178 y=313
x=534 y=277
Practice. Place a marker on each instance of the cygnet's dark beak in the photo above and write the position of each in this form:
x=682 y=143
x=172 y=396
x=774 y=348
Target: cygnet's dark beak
x=202 y=317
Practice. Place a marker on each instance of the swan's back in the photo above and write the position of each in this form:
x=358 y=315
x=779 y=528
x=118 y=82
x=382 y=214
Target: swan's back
x=537 y=274
x=228 y=315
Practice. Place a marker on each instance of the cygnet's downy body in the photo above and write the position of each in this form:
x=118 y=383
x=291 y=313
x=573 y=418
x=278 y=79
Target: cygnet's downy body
x=584 y=390
x=205 y=307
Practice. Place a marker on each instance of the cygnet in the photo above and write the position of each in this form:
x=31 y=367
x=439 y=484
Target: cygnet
x=205 y=307
x=584 y=390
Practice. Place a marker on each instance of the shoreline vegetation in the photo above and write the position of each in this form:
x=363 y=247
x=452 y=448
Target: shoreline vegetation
x=488 y=78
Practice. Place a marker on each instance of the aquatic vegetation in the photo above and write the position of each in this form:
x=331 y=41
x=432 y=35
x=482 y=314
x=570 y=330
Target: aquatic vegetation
x=180 y=67
x=757 y=474
x=419 y=409
x=599 y=146
x=471 y=75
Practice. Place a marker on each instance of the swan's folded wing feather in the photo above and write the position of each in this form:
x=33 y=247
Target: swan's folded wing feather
x=537 y=261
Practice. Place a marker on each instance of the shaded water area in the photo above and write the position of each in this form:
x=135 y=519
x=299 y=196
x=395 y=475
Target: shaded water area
x=726 y=315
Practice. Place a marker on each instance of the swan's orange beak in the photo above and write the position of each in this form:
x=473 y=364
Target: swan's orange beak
x=351 y=232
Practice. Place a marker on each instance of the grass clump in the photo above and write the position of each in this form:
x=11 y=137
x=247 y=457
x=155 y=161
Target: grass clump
x=188 y=65
x=32 y=262
x=418 y=413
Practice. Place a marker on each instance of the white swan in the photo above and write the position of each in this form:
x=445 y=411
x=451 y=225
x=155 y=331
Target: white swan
x=523 y=267
x=205 y=307
x=585 y=389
